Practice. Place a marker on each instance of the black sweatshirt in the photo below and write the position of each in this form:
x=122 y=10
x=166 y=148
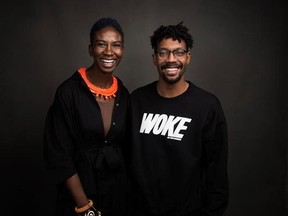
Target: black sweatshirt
x=178 y=153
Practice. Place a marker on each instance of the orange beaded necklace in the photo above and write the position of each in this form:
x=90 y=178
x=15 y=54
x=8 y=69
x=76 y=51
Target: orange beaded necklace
x=99 y=92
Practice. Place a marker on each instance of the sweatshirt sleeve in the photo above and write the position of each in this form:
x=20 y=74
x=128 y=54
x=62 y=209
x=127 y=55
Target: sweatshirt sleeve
x=58 y=140
x=215 y=140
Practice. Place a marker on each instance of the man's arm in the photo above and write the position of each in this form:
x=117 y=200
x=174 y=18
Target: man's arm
x=216 y=157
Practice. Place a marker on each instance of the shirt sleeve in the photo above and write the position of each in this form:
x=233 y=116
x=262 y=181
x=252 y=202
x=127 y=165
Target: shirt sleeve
x=215 y=156
x=59 y=140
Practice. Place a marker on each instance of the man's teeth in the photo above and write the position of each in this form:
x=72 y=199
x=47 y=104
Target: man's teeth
x=171 y=69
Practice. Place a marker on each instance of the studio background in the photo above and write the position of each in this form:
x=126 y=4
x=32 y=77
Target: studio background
x=240 y=54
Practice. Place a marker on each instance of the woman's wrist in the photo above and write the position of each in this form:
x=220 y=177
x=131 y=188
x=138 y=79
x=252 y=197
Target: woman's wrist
x=84 y=208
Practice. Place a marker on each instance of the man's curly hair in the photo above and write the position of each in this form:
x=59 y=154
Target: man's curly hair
x=105 y=22
x=176 y=32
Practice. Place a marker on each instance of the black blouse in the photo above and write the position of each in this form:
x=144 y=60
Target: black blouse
x=74 y=140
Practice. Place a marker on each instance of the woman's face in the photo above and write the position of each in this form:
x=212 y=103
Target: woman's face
x=107 y=49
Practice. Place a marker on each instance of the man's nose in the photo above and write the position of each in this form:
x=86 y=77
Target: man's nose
x=171 y=57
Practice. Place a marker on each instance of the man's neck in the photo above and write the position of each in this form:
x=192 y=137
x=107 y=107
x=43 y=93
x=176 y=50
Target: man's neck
x=167 y=90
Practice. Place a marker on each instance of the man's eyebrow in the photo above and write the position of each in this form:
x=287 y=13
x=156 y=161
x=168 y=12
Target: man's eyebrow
x=118 y=41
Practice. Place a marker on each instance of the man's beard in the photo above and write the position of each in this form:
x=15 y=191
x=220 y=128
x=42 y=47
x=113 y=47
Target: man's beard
x=171 y=81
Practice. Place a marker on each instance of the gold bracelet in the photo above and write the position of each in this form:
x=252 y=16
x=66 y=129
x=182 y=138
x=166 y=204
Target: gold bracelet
x=84 y=208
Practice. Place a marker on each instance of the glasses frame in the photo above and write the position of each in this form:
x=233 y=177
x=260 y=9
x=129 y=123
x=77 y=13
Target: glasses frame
x=168 y=52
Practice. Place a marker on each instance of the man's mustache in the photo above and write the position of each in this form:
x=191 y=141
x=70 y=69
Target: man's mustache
x=171 y=65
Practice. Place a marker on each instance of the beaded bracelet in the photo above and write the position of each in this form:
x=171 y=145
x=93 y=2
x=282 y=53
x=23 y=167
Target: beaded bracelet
x=84 y=208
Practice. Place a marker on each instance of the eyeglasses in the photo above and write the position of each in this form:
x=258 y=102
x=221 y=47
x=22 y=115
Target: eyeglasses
x=177 y=53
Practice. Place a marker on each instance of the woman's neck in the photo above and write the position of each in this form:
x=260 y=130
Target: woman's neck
x=99 y=79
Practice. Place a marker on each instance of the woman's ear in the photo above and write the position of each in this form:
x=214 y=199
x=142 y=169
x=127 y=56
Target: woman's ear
x=90 y=49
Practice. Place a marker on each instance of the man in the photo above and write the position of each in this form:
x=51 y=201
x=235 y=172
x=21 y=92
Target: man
x=179 y=137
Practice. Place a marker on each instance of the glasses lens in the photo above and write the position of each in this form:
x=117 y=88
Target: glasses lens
x=163 y=53
x=179 y=52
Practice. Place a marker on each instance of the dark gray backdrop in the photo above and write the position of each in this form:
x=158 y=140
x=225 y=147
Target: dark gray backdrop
x=240 y=54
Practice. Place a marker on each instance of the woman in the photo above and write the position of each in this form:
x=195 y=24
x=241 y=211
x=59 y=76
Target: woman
x=85 y=131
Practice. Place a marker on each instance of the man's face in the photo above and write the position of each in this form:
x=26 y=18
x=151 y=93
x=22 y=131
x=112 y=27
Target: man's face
x=171 y=65
x=107 y=49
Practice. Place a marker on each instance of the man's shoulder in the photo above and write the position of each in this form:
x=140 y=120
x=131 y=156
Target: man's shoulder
x=203 y=95
x=200 y=90
x=143 y=90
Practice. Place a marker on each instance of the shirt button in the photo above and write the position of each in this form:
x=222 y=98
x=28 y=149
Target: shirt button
x=105 y=141
x=117 y=104
x=113 y=123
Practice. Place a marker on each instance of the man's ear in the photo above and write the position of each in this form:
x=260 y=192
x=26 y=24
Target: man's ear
x=189 y=56
x=154 y=58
